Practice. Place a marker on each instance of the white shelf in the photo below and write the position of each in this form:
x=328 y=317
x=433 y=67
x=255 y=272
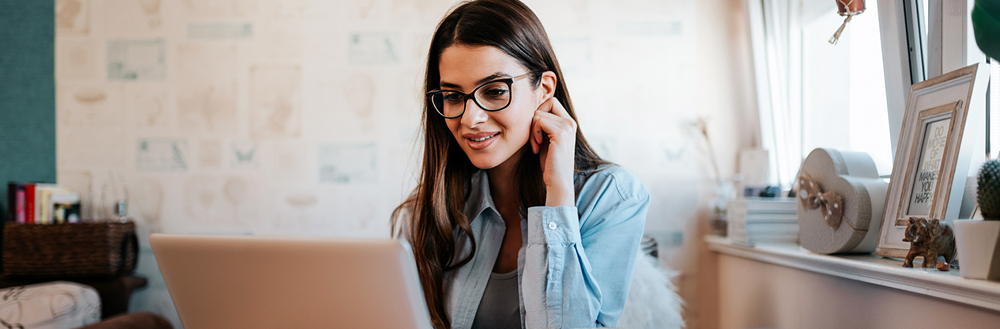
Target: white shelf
x=871 y=269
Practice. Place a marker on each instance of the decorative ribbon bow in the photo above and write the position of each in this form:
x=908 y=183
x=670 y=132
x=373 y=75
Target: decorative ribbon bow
x=831 y=204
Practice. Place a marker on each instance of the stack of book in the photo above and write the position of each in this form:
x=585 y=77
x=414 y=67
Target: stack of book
x=36 y=203
x=768 y=220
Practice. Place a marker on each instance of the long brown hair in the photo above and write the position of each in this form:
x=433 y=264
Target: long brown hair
x=436 y=206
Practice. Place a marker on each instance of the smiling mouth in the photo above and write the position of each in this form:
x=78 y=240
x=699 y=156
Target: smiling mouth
x=483 y=138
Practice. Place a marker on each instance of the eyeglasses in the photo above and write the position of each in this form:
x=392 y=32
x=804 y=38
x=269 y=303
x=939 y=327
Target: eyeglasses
x=491 y=96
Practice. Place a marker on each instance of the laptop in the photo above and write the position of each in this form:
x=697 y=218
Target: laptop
x=243 y=282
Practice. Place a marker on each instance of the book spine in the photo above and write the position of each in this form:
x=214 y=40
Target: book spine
x=772 y=218
x=766 y=206
x=14 y=190
x=39 y=188
x=29 y=204
x=19 y=206
x=772 y=229
x=43 y=205
x=773 y=211
x=11 y=201
x=754 y=240
x=784 y=206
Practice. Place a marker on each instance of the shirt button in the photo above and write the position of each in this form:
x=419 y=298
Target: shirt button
x=552 y=225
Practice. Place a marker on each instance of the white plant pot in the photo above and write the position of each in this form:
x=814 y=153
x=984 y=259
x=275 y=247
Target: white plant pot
x=978 y=243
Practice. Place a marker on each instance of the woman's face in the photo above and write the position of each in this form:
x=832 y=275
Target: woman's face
x=490 y=138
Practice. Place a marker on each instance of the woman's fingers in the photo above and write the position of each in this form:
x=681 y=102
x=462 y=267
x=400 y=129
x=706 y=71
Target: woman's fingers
x=554 y=133
x=539 y=129
x=531 y=138
x=552 y=126
x=536 y=129
x=557 y=109
x=552 y=121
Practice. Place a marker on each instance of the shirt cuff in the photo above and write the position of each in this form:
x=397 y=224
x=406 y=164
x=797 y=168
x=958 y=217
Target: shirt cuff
x=553 y=225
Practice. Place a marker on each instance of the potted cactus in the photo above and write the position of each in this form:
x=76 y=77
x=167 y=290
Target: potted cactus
x=978 y=241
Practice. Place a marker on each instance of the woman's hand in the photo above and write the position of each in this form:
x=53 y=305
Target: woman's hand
x=553 y=138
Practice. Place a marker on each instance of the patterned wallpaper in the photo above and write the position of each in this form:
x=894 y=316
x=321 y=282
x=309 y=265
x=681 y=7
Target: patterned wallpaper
x=300 y=117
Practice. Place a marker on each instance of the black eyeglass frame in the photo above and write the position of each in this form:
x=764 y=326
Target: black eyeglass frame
x=465 y=97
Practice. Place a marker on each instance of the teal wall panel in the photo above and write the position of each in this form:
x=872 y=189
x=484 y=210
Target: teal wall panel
x=27 y=93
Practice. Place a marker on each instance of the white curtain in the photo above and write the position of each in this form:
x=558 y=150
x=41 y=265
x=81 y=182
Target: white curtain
x=774 y=36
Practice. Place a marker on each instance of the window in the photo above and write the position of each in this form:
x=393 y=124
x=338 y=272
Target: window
x=933 y=25
x=813 y=94
x=993 y=110
x=843 y=86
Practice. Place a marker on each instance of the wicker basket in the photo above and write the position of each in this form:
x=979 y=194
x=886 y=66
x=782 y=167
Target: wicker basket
x=69 y=250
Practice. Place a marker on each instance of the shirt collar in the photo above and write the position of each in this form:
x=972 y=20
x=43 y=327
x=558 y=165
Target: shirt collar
x=479 y=198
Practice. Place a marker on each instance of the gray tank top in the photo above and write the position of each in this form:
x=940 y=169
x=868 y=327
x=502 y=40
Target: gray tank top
x=500 y=307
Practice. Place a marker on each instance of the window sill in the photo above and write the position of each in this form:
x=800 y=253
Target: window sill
x=871 y=269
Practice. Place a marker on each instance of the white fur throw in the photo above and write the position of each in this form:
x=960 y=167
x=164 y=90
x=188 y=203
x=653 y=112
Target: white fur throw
x=652 y=301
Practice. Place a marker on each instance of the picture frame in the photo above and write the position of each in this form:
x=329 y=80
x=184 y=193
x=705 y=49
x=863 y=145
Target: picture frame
x=936 y=144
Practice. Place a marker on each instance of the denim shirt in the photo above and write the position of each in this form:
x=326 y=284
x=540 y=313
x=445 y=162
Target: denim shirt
x=576 y=265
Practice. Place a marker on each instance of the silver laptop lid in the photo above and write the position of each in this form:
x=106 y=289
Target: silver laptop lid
x=269 y=282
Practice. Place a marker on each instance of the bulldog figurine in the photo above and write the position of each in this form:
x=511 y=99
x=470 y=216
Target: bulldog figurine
x=929 y=239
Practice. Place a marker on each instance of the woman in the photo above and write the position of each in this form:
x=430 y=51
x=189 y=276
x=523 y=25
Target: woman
x=515 y=222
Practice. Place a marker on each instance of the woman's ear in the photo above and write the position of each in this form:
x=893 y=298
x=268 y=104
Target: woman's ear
x=547 y=86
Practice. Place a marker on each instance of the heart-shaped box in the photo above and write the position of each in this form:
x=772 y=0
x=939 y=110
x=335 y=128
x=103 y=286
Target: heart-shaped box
x=854 y=177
